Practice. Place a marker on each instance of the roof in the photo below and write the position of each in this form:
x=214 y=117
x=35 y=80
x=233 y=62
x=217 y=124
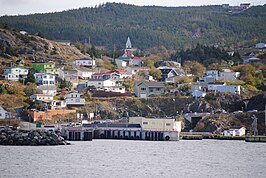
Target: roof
x=84 y=59
x=152 y=84
x=104 y=73
x=46 y=87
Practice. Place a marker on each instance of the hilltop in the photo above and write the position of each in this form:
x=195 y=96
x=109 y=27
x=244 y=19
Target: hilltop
x=31 y=48
x=149 y=26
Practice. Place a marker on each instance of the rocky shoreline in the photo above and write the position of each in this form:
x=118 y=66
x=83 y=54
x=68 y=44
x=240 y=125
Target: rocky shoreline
x=13 y=136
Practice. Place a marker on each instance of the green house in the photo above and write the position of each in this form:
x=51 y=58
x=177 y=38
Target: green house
x=48 y=68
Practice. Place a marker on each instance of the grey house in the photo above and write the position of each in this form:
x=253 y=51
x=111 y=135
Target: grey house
x=146 y=89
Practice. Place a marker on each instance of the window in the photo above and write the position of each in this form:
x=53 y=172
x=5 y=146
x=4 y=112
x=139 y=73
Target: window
x=0 y=114
x=168 y=124
x=151 y=89
x=158 y=89
x=145 y=123
x=45 y=76
x=143 y=89
x=51 y=76
x=78 y=100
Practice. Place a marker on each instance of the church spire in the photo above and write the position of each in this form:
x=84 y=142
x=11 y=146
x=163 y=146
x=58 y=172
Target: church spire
x=128 y=44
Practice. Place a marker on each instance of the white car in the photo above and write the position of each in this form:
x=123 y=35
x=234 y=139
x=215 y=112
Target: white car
x=236 y=112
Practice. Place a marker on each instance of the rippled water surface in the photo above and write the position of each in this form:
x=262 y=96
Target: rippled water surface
x=120 y=158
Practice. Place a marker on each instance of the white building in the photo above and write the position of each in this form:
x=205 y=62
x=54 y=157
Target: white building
x=74 y=99
x=41 y=98
x=3 y=113
x=85 y=62
x=120 y=89
x=100 y=83
x=85 y=74
x=44 y=79
x=15 y=73
x=157 y=124
x=47 y=89
x=235 y=132
x=222 y=87
x=232 y=76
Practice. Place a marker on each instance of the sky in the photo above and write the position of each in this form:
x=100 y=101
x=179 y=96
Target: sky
x=22 y=7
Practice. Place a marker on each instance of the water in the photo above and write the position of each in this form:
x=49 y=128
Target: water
x=121 y=158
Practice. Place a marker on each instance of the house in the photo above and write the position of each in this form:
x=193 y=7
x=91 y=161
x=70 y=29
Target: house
x=87 y=62
x=123 y=74
x=42 y=98
x=70 y=76
x=74 y=99
x=85 y=73
x=222 y=87
x=157 y=124
x=100 y=83
x=136 y=69
x=119 y=89
x=240 y=131
x=15 y=73
x=232 y=76
x=146 y=89
x=169 y=74
x=42 y=67
x=3 y=113
x=47 y=89
x=106 y=75
x=44 y=78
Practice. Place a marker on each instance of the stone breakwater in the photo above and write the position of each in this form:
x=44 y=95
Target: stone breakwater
x=11 y=136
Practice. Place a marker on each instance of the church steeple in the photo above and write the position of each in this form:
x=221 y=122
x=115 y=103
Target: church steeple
x=128 y=44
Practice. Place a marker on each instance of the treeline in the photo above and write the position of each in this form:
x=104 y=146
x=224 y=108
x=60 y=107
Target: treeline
x=173 y=27
x=206 y=55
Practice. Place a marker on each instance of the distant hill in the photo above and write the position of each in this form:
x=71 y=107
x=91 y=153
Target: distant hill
x=172 y=27
x=16 y=46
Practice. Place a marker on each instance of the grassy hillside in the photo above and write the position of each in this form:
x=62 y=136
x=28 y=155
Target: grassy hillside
x=172 y=27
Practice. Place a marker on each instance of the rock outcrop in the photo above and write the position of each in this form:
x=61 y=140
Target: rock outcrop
x=12 y=136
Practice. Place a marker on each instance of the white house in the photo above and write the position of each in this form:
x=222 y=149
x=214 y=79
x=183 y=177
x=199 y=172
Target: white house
x=45 y=79
x=85 y=74
x=120 y=89
x=222 y=87
x=85 y=62
x=41 y=98
x=74 y=99
x=3 y=113
x=47 y=89
x=232 y=76
x=100 y=83
x=235 y=132
x=146 y=89
x=15 y=73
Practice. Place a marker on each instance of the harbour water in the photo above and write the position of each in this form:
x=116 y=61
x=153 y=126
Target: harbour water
x=126 y=158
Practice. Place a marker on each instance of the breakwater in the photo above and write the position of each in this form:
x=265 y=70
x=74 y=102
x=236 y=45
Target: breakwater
x=13 y=136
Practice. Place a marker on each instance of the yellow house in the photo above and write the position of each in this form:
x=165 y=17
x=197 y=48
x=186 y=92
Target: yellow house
x=157 y=124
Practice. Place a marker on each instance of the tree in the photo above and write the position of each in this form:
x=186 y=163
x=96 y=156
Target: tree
x=194 y=68
x=30 y=77
x=63 y=84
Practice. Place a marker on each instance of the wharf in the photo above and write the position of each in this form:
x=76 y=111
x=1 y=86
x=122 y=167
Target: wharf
x=255 y=139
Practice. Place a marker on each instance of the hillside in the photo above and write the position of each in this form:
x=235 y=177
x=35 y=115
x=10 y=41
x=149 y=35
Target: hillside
x=16 y=46
x=172 y=27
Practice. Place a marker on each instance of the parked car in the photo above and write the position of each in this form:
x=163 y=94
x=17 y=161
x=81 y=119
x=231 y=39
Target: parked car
x=236 y=112
x=253 y=110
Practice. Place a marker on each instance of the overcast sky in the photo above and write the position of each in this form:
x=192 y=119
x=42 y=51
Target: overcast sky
x=15 y=7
